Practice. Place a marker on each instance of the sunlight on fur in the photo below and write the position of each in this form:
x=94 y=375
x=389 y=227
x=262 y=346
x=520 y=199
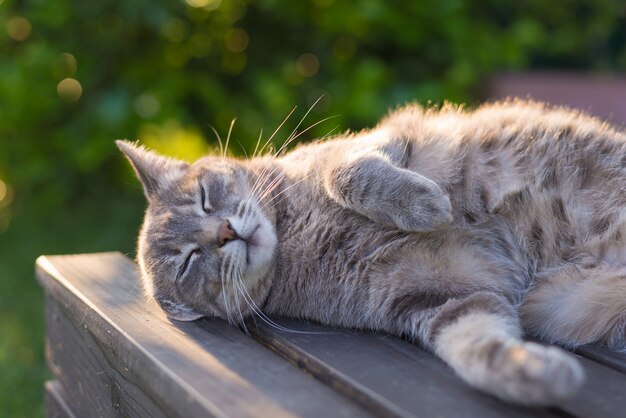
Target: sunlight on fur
x=460 y=230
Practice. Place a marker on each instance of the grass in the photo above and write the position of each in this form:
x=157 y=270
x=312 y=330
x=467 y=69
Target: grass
x=94 y=224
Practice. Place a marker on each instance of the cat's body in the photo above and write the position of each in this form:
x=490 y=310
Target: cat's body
x=461 y=231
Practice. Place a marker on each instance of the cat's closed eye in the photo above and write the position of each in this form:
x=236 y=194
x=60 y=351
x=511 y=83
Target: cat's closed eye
x=189 y=260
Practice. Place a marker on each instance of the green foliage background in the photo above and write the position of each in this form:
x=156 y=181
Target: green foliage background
x=166 y=71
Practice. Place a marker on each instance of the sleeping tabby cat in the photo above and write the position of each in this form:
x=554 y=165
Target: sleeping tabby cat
x=461 y=231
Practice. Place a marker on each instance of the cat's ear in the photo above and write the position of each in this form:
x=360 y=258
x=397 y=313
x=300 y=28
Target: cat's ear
x=153 y=170
x=178 y=311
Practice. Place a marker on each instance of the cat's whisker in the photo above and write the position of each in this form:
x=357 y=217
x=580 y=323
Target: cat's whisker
x=219 y=139
x=240 y=208
x=235 y=274
x=224 y=289
x=273 y=203
x=303 y=132
x=230 y=130
x=242 y=322
x=242 y=148
x=289 y=138
x=326 y=136
x=277 y=129
x=258 y=142
x=245 y=209
x=263 y=176
x=229 y=282
x=225 y=297
x=249 y=207
x=260 y=183
x=265 y=204
x=134 y=287
x=255 y=309
x=247 y=216
x=230 y=278
x=270 y=187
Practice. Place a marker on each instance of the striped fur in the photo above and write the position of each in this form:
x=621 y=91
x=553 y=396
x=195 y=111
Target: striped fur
x=462 y=231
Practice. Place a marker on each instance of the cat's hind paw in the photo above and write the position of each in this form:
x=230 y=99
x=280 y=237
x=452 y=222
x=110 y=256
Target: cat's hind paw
x=532 y=374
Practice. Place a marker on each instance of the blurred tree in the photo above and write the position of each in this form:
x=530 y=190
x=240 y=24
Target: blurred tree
x=76 y=75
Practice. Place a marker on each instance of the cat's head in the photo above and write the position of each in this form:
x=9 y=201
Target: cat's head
x=207 y=244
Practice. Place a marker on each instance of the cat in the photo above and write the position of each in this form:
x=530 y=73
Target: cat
x=462 y=231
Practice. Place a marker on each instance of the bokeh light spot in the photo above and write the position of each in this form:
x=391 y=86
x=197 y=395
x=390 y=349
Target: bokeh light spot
x=6 y=194
x=64 y=66
x=69 y=89
x=147 y=105
x=174 y=139
x=6 y=197
x=205 y=4
x=3 y=191
x=19 y=28
x=236 y=40
x=307 y=65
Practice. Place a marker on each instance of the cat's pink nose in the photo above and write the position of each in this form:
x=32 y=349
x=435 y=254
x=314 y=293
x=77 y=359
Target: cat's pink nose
x=226 y=233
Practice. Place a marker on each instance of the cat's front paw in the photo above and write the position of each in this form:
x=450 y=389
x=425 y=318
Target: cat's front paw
x=421 y=206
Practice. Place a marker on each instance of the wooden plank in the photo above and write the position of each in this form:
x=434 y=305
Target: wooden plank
x=182 y=369
x=604 y=356
x=97 y=298
x=389 y=376
x=603 y=394
x=56 y=404
x=79 y=361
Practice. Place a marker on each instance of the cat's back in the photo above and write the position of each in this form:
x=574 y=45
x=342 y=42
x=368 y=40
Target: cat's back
x=495 y=136
x=522 y=161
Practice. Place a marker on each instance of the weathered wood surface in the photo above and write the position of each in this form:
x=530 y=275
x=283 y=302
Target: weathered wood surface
x=604 y=356
x=121 y=357
x=390 y=376
x=56 y=401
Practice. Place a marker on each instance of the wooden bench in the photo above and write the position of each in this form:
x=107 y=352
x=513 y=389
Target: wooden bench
x=115 y=354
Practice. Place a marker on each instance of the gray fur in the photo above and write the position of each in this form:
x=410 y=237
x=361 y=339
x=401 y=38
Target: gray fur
x=461 y=231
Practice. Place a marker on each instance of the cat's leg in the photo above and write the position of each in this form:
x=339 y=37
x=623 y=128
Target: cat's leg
x=576 y=304
x=371 y=185
x=480 y=338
